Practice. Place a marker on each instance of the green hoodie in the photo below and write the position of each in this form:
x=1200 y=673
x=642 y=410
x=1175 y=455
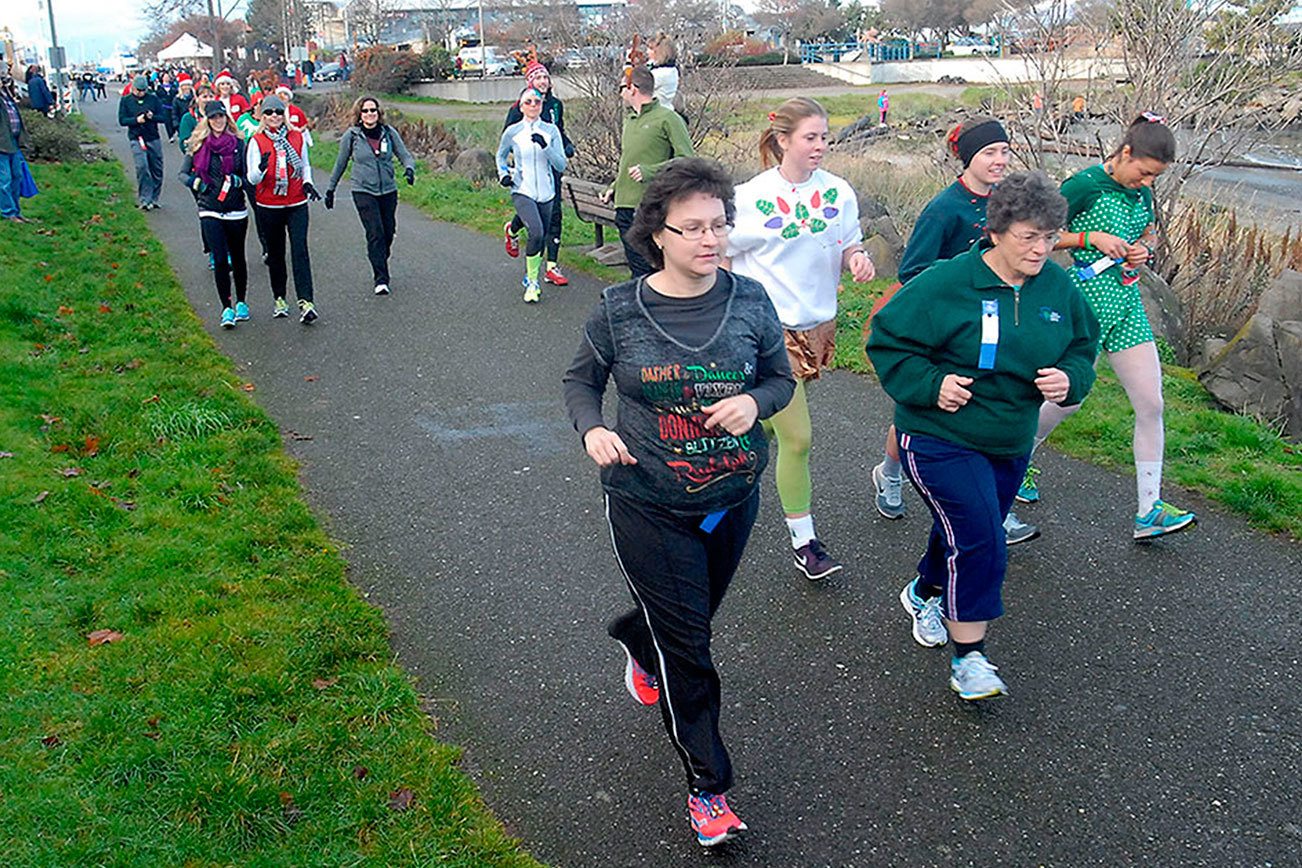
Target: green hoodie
x=933 y=327
x=651 y=138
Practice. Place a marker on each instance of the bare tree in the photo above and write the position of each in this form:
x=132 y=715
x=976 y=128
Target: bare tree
x=805 y=20
x=367 y=19
x=217 y=15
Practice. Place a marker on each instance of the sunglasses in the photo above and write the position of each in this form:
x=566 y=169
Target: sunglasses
x=273 y=111
x=370 y=111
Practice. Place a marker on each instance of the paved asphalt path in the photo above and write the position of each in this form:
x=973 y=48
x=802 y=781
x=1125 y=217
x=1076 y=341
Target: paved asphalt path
x=1154 y=716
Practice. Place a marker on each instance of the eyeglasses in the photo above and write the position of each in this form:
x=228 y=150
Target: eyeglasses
x=370 y=111
x=1031 y=239
x=273 y=111
x=696 y=233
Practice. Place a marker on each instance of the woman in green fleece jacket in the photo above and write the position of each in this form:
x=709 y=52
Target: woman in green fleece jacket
x=969 y=349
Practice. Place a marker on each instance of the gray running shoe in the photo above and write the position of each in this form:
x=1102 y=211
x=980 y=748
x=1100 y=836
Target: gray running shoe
x=1017 y=531
x=890 y=497
x=928 y=629
x=973 y=677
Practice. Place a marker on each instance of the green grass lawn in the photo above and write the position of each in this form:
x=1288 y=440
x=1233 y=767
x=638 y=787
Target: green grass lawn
x=246 y=710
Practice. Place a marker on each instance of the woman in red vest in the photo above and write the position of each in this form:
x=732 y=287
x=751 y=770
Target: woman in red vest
x=278 y=168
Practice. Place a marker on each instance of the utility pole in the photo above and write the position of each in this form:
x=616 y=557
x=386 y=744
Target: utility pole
x=57 y=58
x=483 y=45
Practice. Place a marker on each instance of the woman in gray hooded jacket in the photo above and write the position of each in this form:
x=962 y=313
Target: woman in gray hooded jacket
x=372 y=145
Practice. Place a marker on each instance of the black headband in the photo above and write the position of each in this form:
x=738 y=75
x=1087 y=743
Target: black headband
x=970 y=143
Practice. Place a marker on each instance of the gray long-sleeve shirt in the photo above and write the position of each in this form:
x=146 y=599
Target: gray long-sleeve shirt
x=373 y=172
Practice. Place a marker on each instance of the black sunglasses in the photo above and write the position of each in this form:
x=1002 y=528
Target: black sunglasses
x=273 y=111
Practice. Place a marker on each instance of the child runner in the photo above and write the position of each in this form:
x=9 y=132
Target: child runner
x=1111 y=215
x=372 y=145
x=968 y=349
x=538 y=152
x=797 y=229
x=883 y=105
x=950 y=224
x=214 y=169
x=537 y=77
x=697 y=358
x=278 y=166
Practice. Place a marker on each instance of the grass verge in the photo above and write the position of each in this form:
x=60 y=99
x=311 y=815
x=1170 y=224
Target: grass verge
x=1232 y=459
x=188 y=676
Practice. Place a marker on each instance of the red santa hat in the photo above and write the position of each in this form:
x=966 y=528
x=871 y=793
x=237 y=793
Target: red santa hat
x=184 y=78
x=225 y=75
x=284 y=88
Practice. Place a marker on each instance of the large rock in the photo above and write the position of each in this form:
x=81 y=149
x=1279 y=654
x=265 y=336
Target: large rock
x=1250 y=375
x=476 y=164
x=1288 y=341
x=1282 y=300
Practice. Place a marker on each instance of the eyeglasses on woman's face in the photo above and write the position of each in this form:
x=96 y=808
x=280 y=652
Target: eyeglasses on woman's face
x=273 y=111
x=370 y=110
x=1033 y=239
x=696 y=231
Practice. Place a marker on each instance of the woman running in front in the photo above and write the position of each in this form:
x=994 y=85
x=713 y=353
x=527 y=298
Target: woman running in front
x=372 y=145
x=697 y=358
x=797 y=229
x=1111 y=234
x=538 y=151
x=969 y=349
x=214 y=170
x=951 y=223
x=279 y=168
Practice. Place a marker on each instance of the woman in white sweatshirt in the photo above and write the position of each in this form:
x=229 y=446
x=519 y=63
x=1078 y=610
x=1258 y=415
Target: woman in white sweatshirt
x=534 y=148
x=797 y=229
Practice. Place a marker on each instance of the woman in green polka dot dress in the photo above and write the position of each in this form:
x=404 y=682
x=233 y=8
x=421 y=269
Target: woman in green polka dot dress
x=1110 y=214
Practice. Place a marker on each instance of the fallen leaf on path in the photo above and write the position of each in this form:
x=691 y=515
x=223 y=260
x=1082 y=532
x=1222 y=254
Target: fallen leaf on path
x=400 y=800
x=324 y=683
x=360 y=772
x=103 y=637
x=311 y=378
x=104 y=308
x=60 y=447
x=51 y=741
x=92 y=445
x=64 y=310
x=40 y=498
x=248 y=387
x=69 y=472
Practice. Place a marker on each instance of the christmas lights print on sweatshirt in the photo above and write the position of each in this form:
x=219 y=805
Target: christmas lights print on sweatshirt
x=790 y=237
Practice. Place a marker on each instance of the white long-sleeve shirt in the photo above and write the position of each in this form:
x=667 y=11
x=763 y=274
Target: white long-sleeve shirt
x=791 y=237
x=532 y=173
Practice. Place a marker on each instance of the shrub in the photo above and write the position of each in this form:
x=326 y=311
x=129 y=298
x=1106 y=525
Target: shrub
x=733 y=44
x=51 y=140
x=380 y=69
x=436 y=63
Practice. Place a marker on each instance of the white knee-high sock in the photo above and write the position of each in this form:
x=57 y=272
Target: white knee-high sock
x=1148 y=481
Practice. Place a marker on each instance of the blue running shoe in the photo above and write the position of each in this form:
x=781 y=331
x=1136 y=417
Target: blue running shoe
x=212 y=263
x=241 y=311
x=928 y=628
x=973 y=677
x=228 y=318
x=1162 y=519
x=1029 y=491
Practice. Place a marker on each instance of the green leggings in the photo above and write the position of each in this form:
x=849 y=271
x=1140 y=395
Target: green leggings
x=792 y=434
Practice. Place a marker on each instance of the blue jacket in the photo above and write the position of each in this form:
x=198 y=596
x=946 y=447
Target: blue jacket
x=38 y=92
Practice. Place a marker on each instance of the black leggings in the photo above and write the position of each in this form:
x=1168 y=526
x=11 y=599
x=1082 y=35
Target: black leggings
x=553 y=227
x=226 y=238
x=379 y=219
x=536 y=217
x=273 y=225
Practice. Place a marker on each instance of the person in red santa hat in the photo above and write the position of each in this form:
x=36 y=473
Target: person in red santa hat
x=228 y=94
x=537 y=77
x=295 y=117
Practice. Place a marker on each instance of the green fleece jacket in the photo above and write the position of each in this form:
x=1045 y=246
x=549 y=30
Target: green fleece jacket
x=933 y=327
x=651 y=138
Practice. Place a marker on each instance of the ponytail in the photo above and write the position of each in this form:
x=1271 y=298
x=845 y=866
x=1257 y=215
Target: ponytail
x=784 y=121
x=1148 y=137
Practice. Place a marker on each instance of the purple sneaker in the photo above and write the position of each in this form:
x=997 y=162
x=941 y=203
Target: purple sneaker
x=814 y=561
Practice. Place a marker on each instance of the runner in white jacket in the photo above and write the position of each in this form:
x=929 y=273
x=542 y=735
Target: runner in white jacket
x=534 y=148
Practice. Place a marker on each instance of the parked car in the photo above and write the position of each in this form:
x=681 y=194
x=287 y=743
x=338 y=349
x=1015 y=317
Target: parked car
x=493 y=60
x=966 y=46
x=328 y=72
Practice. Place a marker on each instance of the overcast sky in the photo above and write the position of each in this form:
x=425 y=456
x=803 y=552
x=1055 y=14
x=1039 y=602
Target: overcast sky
x=89 y=29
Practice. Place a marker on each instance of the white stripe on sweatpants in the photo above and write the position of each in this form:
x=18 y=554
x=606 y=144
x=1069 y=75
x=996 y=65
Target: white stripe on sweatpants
x=664 y=680
x=951 y=560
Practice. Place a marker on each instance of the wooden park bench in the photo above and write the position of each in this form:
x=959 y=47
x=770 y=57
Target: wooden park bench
x=585 y=197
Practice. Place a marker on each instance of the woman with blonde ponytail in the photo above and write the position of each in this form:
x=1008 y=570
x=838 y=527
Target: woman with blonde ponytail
x=797 y=229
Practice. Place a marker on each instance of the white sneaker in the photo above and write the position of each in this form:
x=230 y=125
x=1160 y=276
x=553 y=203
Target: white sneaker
x=973 y=677
x=381 y=289
x=532 y=292
x=890 y=496
x=928 y=628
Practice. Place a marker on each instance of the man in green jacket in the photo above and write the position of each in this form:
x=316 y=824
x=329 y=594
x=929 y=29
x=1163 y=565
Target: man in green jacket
x=653 y=135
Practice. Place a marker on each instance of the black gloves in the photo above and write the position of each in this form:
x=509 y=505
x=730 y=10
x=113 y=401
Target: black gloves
x=330 y=199
x=569 y=150
x=538 y=140
x=311 y=192
x=505 y=180
x=262 y=163
x=410 y=175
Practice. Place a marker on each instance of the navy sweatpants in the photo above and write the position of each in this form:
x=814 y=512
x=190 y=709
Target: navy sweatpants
x=678 y=575
x=969 y=493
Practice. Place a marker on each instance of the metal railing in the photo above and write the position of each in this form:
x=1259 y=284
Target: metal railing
x=866 y=52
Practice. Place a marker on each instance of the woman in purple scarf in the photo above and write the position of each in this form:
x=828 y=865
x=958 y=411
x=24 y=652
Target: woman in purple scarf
x=214 y=170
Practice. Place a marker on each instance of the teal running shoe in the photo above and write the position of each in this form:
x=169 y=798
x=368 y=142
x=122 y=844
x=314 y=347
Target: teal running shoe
x=1162 y=519
x=228 y=318
x=241 y=311
x=1030 y=491
x=973 y=677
